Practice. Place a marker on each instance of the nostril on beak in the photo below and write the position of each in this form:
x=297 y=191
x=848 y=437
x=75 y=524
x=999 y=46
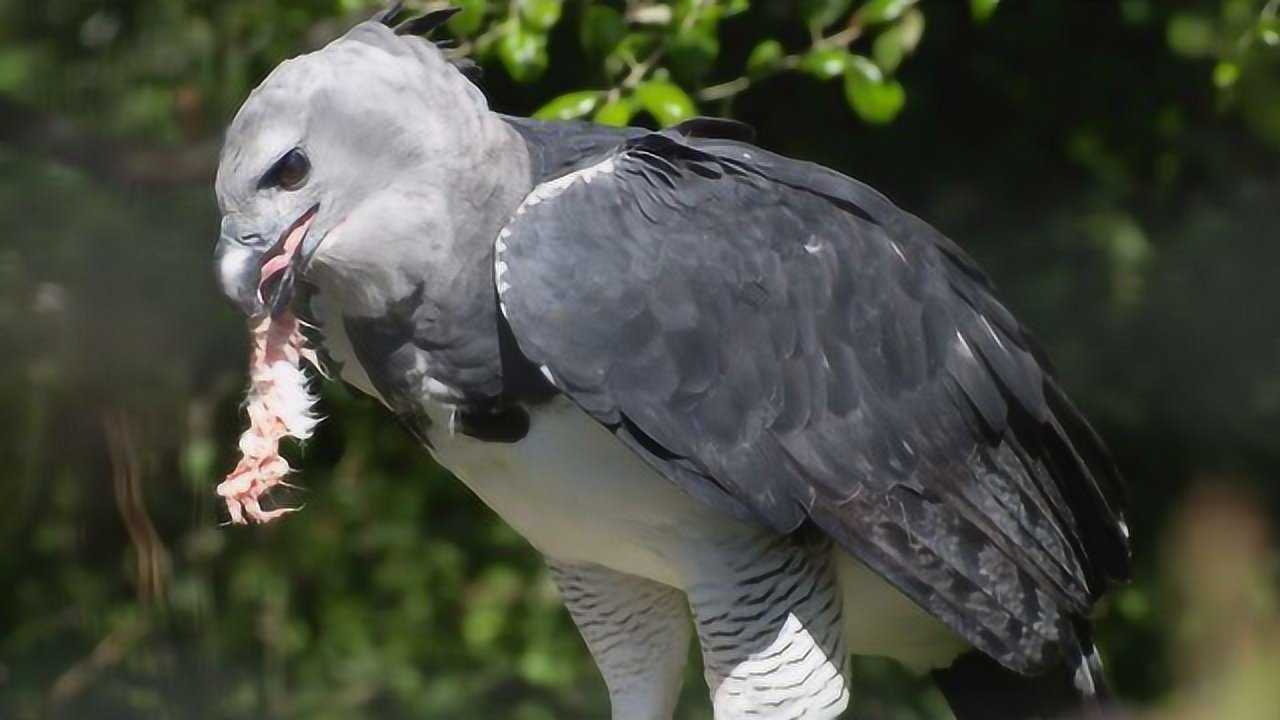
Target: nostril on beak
x=233 y=230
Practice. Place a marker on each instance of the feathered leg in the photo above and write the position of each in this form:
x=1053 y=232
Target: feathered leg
x=637 y=631
x=768 y=615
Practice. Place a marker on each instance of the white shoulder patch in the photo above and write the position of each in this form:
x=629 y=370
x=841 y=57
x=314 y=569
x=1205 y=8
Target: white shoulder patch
x=552 y=188
x=541 y=193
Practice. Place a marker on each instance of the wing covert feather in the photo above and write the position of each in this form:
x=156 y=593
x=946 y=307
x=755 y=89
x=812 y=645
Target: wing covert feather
x=785 y=344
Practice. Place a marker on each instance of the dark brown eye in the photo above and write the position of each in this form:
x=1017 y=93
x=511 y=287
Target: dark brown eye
x=289 y=172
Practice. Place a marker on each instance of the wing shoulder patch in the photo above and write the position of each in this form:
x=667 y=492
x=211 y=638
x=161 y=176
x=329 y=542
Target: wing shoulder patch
x=543 y=192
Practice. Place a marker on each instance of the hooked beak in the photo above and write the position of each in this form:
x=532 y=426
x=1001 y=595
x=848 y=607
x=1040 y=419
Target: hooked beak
x=257 y=276
x=282 y=264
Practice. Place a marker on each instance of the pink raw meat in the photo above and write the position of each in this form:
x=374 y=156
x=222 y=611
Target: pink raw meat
x=279 y=404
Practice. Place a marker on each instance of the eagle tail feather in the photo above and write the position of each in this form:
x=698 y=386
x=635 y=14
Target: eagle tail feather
x=978 y=688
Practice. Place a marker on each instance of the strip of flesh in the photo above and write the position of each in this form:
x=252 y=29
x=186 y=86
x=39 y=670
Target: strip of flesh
x=279 y=403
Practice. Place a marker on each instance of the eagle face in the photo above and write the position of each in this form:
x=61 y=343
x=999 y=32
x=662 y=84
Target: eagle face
x=346 y=167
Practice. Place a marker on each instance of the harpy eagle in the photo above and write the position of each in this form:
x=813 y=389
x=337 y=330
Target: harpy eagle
x=719 y=390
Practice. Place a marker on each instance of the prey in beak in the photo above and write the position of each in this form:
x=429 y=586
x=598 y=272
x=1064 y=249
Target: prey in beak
x=279 y=404
x=282 y=264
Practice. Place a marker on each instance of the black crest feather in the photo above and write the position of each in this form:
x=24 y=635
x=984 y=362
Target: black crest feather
x=388 y=16
x=424 y=25
x=469 y=69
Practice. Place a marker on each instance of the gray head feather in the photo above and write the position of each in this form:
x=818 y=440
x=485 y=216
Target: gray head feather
x=409 y=171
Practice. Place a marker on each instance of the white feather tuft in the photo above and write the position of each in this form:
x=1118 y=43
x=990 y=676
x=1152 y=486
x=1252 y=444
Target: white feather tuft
x=280 y=404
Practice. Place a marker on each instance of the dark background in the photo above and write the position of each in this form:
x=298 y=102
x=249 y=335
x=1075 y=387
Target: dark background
x=1115 y=166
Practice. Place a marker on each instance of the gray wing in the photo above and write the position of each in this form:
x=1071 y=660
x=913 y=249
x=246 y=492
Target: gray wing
x=785 y=344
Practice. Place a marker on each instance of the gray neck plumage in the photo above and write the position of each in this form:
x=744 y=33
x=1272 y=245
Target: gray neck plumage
x=442 y=336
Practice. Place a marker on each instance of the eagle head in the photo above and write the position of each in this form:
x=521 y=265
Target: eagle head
x=355 y=167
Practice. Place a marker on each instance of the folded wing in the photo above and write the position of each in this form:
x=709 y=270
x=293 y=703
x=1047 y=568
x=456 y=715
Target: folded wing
x=787 y=345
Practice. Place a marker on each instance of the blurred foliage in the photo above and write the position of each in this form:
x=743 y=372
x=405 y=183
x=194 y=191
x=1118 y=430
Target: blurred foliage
x=1242 y=38
x=1115 y=165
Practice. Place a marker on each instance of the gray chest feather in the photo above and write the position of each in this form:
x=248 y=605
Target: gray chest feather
x=478 y=375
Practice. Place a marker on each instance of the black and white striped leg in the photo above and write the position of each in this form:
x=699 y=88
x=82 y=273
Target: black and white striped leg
x=637 y=631
x=769 y=621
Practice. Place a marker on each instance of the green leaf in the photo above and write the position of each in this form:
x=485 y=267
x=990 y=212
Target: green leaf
x=825 y=63
x=691 y=54
x=665 y=101
x=523 y=53
x=878 y=12
x=1269 y=31
x=1191 y=35
x=540 y=14
x=1225 y=74
x=601 y=30
x=821 y=13
x=630 y=50
x=864 y=69
x=877 y=103
x=469 y=19
x=688 y=12
x=636 y=45
x=17 y=66
x=894 y=44
x=982 y=10
x=875 y=99
x=617 y=113
x=570 y=105
x=764 y=58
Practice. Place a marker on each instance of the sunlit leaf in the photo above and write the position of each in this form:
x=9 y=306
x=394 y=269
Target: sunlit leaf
x=469 y=19
x=1191 y=35
x=877 y=12
x=1269 y=31
x=523 y=54
x=570 y=105
x=864 y=69
x=825 y=63
x=617 y=113
x=900 y=40
x=1225 y=74
x=665 y=101
x=821 y=13
x=876 y=99
x=765 y=58
x=540 y=14
x=681 y=10
x=635 y=45
x=653 y=15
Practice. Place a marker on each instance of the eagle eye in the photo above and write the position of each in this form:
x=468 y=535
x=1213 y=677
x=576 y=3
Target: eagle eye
x=289 y=172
